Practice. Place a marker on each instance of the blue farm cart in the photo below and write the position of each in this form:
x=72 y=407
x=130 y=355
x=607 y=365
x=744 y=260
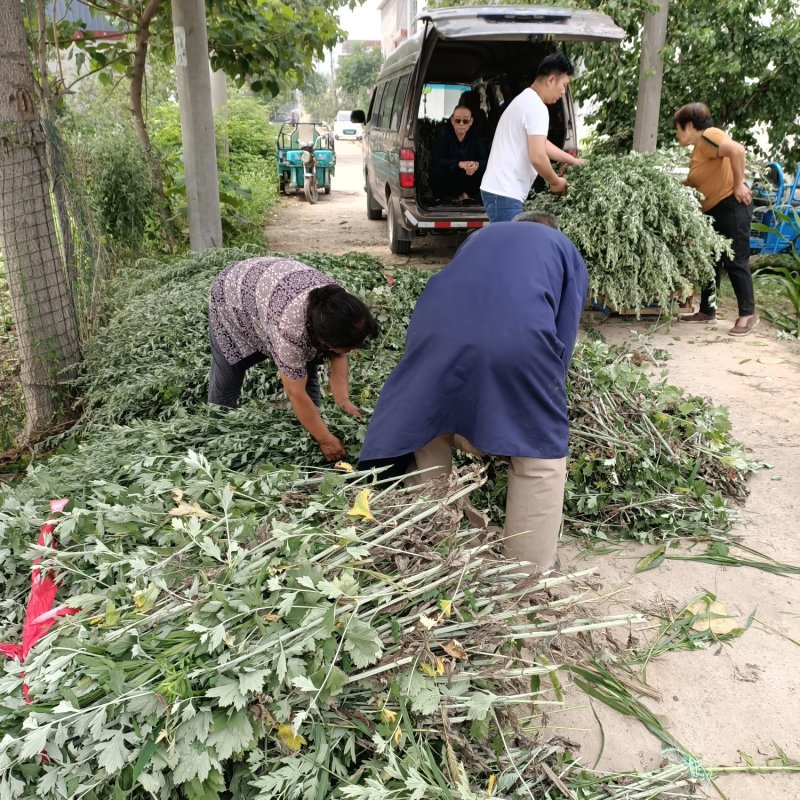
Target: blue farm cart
x=776 y=216
x=306 y=158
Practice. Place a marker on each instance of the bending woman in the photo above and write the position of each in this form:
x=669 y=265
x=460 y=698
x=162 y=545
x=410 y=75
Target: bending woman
x=288 y=311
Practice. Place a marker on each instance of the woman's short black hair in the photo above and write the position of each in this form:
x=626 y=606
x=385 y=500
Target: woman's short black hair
x=337 y=319
x=696 y=113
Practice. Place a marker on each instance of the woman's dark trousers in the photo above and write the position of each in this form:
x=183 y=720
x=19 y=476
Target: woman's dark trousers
x=225 y=381
x=731 y=219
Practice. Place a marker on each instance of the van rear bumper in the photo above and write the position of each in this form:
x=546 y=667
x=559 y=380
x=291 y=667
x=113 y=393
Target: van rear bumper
x=415 y=218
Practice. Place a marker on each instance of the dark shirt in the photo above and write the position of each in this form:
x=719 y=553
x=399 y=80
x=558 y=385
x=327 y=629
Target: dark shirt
x=447 y=177
x=487 y=349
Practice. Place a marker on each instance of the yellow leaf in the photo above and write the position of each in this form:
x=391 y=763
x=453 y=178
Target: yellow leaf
x=184 y=509
x=289 y=739
x=427 y=622
x=271 y=617
x=361 y=506
x=343 y=466
x=455 y=650
x=365 y=394
x=721 y=623
x=446 y=606
x=398 y=735
x=490 y=785
x=427 y=669
x=387 y=715
x=439 y=665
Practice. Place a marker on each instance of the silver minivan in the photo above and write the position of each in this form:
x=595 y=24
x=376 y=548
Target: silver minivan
x=490 y=52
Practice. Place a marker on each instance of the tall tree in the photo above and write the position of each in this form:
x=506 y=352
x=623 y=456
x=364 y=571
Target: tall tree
x=356 y=75
x=41 y=295
x=318 y=101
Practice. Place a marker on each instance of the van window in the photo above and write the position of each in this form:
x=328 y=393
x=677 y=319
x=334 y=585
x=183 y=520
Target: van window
x=439 y=99
x=376 y=104
x=343 y=116
x=399 y=101
x=385 y=108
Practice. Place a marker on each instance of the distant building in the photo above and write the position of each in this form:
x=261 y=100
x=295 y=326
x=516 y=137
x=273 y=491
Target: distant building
x=76 y=11
x=349 y=45
x=397 y=22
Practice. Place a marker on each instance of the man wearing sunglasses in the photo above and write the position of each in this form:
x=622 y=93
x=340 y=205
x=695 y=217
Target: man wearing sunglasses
x=520 y=148
x=458 y=160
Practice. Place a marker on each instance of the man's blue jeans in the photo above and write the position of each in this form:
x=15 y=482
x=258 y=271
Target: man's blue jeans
x=500 y=208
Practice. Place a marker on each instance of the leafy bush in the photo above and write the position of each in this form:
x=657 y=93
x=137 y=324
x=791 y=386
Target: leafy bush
x=119 y=186
x=247 y=171
x=641 y=233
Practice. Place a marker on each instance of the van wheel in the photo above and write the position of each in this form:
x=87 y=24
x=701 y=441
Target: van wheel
x=374 y=211
x=399 y=239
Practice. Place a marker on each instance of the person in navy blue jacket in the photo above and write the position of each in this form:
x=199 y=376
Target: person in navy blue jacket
x=487 y=352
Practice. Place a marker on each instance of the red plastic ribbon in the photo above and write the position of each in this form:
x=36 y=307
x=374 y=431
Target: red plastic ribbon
x=40 y=615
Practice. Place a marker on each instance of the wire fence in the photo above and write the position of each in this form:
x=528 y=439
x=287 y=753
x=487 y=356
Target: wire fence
x=53 y=263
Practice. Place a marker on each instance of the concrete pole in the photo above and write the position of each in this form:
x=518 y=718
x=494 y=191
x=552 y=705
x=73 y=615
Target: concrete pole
x=219 y=106
x=651 y=72
x=197 y=123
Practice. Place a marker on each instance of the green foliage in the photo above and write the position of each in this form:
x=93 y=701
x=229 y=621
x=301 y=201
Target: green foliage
x=357 y=74
x=652 y=464
x=270 y=45
x=246 y=165
x=787 y=280
x=237 y=634
x=641 y=233
x=740 y=57
x=319 y=101
x=119 y=187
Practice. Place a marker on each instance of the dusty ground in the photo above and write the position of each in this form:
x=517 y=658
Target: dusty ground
x=743 y=697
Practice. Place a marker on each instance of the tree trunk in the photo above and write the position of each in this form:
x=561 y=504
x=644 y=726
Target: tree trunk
x=54 y=157
x=135 y=94
x=44 y=312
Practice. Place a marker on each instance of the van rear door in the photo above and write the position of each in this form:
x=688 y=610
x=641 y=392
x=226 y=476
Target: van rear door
x=522 y=23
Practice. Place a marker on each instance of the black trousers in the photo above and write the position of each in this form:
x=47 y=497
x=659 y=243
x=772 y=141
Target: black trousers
x=225 y=380
x=732 y=220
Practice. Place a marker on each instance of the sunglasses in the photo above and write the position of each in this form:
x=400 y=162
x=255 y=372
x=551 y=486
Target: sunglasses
x=460 y=121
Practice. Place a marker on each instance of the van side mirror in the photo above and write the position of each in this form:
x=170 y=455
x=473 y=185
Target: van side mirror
x=358 y=116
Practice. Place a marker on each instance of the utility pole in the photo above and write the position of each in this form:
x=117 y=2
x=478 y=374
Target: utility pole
x=651 y=72
x=197 y=123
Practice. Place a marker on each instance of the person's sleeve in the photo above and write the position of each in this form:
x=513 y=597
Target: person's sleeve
x=537 y=119
x=573 y=296
x=481 y=153
x=711 y=139
x=443 y=159
x=289 y=359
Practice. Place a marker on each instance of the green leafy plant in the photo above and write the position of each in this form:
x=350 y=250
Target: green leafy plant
x=785 y=275
x=640 y=232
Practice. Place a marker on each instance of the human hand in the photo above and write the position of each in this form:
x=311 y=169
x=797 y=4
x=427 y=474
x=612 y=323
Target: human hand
x=350 y=408
x=743 y=194
x=579 y=162
x=558 y=186
x=332 y=448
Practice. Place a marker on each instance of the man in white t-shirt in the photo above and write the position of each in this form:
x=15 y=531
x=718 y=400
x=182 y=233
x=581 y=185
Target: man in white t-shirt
x=520 y=148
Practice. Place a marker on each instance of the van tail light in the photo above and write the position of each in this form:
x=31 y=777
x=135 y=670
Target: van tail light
x=407 y=169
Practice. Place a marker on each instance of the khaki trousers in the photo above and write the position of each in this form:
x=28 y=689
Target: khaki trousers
x=534 y=504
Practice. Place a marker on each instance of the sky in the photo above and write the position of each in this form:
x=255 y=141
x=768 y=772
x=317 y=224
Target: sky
x=362 y=23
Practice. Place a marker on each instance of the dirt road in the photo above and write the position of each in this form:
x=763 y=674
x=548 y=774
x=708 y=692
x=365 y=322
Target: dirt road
x=742 y=697
x=338 y=222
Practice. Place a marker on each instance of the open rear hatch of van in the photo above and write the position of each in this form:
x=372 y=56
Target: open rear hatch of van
x=531 y=23
x=464 y=45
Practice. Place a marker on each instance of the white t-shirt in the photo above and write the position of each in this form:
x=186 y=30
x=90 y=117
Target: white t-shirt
x=509 y=172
